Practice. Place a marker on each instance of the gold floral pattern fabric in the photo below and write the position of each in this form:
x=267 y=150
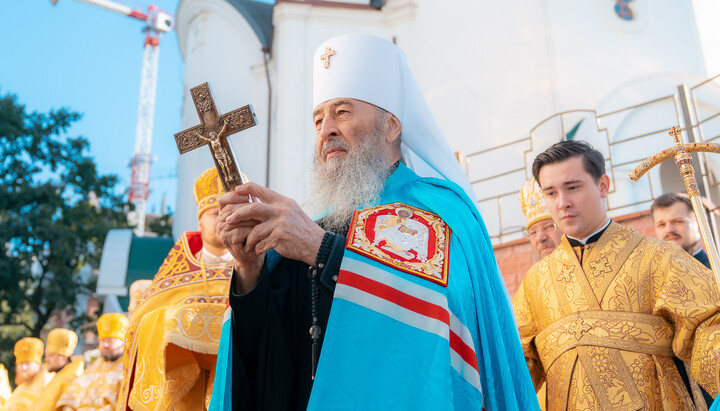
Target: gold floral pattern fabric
x=96 y=389
x=50 y=394
x=25 y=396
x=174 y=333
x=602 y=334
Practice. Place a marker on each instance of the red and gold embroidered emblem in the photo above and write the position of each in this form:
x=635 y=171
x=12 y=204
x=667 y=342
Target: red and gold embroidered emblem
x=403 y=237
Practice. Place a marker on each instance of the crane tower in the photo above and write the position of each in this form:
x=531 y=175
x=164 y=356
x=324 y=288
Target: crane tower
x=156 y=22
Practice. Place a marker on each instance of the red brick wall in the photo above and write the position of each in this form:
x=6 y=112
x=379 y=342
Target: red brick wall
x=515 y=257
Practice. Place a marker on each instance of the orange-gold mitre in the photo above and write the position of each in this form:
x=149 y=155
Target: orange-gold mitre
x=137 y=288
x=61 y=341
x=29 y=349
x=531 y=202
x=207 y=189
x=112 y=326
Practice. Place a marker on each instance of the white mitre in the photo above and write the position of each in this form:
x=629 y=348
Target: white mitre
x=376 y=71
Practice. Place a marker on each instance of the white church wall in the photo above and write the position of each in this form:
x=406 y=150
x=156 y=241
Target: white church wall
x=594 y=52
x=490 y=72
x=706 y=14
x=219 y=47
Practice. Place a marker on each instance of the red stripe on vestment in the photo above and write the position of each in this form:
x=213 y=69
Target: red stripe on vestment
x=395 y=296
x=466 y=352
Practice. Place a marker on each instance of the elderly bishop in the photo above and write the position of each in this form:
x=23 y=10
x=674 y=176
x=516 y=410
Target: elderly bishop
x=420 y=318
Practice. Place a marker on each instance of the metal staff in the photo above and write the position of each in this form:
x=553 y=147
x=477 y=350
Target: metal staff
x=683 y=160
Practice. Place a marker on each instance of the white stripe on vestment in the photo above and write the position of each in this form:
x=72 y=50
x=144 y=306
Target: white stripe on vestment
x=394 y=281
x=465 y=370
x=461 y=331
x=227 y=315
x=392 y=310
x=404 y=315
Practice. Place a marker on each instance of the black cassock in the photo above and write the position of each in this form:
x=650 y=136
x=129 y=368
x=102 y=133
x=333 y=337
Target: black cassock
x=272 y=348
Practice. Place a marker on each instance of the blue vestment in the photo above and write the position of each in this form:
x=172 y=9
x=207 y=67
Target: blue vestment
x=396 y=340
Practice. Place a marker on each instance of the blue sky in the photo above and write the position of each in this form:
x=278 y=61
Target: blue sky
x=88 y=59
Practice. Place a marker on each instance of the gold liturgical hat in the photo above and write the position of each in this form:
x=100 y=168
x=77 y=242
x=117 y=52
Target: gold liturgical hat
x=61 y=341
x=29 y=349
x=532 y=204
x=112 y=326
x=207 y=189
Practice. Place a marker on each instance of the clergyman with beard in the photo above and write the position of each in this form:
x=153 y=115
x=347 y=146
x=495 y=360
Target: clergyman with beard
x=172 y=339
x=385 y=294
x=98 y=387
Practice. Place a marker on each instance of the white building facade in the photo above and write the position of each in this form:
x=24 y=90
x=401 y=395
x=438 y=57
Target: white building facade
x=490 y=71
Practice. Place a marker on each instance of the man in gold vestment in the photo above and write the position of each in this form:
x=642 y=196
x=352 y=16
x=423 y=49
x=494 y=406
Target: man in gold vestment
x=172 y=342
x=99 y=386
x=543 y=235
x=601 y=318
x=5 y=390
x=30 y=375
x=59 y=349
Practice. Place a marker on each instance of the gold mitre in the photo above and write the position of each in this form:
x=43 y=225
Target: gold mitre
x=207 y=189
x=137 y=289
x=532 y=204
x=61 y=341
x=29 y=349
x=112 y=326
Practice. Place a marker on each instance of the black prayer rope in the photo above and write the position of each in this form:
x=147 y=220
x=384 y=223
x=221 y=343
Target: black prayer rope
x=320 y=260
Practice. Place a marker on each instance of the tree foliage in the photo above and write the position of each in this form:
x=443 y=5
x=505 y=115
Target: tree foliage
x=55 y=211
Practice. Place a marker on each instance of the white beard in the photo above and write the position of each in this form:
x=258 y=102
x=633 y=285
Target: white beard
x=338 y=187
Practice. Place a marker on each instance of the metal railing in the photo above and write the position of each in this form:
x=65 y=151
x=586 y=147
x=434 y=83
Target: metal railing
x=625 y=136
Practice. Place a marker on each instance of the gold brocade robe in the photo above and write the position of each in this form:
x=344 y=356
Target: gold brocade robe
x=602 y=335
x=50 y=394
x=172 y=342
x=5 y=390
x=25 y=395
x=96 y=389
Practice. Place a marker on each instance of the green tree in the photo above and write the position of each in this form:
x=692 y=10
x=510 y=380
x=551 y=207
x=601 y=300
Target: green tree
x=55 y=211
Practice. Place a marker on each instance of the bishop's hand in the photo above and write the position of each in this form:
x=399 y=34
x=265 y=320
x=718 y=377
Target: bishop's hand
x=248 y=265
x=277 y=223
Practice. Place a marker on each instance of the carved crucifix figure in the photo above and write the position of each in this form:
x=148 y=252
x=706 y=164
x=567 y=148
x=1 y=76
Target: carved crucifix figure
x=213 y=130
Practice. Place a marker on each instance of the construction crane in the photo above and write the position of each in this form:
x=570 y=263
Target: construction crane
x=156 y=22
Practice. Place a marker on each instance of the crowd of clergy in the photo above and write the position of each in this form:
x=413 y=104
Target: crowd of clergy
x=606 y=318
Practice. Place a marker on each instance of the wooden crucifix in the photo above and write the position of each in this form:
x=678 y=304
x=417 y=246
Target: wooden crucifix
x=213 y=131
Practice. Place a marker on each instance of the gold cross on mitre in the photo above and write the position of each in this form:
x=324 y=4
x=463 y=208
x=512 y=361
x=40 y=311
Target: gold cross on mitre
x=683 y=160
x=325 y=57
x=213 y=131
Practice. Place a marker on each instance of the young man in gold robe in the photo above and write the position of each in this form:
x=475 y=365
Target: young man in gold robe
x=59 y=349
x=601 y=318
x=31 y=375
x=99 y=386
x=172 y=342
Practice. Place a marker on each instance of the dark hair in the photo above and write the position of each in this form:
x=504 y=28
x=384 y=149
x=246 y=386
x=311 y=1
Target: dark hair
x=593 y=161
x=668 y=199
